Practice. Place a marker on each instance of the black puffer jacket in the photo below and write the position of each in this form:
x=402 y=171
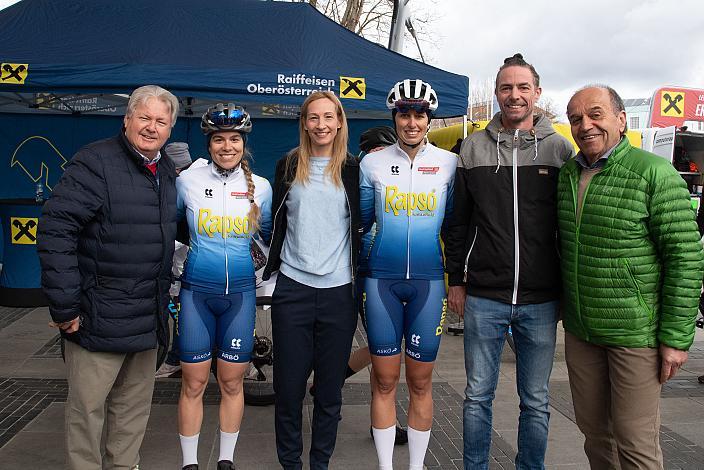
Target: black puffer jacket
x=105 y=243
x=282 y=183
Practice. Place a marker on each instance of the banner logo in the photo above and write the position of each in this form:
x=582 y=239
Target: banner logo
x=23 y=230
x=13 y=74
x=353 y=88
x=672 y=103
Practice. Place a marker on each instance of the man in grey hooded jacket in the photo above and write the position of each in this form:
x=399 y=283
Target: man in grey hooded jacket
x=502 y=261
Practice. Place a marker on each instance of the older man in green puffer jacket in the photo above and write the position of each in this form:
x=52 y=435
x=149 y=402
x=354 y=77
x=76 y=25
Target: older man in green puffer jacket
x=632 y=268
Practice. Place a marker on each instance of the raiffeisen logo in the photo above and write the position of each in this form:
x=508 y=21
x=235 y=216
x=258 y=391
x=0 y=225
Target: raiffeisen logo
x=298 y=84
x=397 y=201
x=227 y=226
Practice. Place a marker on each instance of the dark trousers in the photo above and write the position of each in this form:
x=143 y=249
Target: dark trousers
x=313 y=330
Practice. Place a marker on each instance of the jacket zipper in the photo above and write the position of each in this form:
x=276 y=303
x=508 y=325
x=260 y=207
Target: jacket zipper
x=471 y=247
x=517 y=254
x=578 y=224
x=408 y=232
x=224 y=238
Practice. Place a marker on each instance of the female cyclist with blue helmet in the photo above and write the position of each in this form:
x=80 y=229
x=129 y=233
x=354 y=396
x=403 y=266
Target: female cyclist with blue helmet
x=406 y=189
x=224 y=205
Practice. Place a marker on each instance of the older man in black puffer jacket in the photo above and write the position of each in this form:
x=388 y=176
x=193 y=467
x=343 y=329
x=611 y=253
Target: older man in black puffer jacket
x=105 y=242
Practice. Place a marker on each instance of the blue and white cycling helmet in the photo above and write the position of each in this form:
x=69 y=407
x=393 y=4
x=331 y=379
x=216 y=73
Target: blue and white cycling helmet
x=226 y=118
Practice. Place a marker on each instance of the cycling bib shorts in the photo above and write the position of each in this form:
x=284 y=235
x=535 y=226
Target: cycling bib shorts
x=216 y=322
x=413 y=309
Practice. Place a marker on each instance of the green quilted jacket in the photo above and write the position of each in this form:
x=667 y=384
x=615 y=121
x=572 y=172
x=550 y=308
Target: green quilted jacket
x=632 y=265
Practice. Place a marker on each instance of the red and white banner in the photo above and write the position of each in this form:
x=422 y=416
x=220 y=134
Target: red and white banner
x=672 y=106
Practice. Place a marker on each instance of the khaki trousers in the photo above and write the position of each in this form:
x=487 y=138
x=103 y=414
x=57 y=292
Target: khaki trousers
x=111 y=390
x=616 y=396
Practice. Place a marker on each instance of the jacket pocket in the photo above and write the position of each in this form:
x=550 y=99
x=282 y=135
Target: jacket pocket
x=634 y=284
x=107 y=283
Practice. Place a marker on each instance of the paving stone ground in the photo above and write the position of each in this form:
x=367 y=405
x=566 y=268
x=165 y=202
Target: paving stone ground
x=33 y=391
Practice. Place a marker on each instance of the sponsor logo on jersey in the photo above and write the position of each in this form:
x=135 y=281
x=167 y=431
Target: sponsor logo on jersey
x=208 y=192
x=394 y=169
x=237 y=195
x=397 y=201
x=232 y=357
x=413 y=354
x=209 y=224
x=443 y=317
x=428 y=170
x=382 y=351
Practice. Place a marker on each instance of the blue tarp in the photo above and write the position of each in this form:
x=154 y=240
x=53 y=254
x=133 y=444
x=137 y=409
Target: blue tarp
x=251 y=52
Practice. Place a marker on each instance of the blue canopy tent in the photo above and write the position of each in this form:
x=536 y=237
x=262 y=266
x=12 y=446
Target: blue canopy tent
x=67 y=66
x=266 y=56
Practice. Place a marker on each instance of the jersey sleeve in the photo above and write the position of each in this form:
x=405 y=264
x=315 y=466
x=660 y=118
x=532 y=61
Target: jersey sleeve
x=366 y=198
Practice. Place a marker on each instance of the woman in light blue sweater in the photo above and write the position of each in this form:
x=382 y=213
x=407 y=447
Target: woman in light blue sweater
x=315 y=242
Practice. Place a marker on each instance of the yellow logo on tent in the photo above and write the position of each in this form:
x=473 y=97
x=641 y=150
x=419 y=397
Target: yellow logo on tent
x=672 y=103
x=353 y=88
x=23 y=230
x=13 y=74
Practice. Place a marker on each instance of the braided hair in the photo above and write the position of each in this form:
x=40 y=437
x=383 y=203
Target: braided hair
x=254 y=211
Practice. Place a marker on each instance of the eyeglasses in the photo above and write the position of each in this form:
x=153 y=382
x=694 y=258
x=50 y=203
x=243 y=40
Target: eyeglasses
x=405 y=106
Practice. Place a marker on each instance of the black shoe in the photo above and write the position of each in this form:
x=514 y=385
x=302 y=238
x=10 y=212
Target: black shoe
x=193 y=466
x=226 y=465
x=701 y=379
x=401 y=436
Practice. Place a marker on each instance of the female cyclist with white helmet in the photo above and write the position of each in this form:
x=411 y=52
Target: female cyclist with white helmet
x=407 y=190
x=224 y=205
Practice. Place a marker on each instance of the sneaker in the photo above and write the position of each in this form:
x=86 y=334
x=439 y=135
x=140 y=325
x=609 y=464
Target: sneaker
x=226 y=465
x=701 y=379
x=166 y=370
x=193 y=466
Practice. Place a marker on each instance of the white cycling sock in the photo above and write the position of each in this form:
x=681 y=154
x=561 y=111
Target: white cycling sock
x=189 y=449
x=228 y=441
x=417 y=446
x=384 y=442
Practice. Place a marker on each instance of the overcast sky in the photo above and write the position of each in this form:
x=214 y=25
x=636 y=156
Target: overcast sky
x=636 y=46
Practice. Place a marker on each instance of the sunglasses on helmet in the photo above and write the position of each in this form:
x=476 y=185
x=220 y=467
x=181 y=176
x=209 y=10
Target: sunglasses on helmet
x=226 y=117
x=405 y=106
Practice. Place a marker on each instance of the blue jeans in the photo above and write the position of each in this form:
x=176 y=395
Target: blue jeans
x=485 y=324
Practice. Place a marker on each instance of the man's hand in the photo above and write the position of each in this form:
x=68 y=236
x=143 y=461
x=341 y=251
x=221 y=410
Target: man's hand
x=67 y=326
x=671 y=360
x=456 y=296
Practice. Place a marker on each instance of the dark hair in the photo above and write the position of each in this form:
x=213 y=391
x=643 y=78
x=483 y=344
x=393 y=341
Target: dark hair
x=517 y=61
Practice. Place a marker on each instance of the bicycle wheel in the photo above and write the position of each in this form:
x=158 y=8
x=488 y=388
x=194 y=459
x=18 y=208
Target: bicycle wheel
x=259 y=380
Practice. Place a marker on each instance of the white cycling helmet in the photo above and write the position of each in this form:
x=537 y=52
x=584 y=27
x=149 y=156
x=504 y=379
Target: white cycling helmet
x=415 y=94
